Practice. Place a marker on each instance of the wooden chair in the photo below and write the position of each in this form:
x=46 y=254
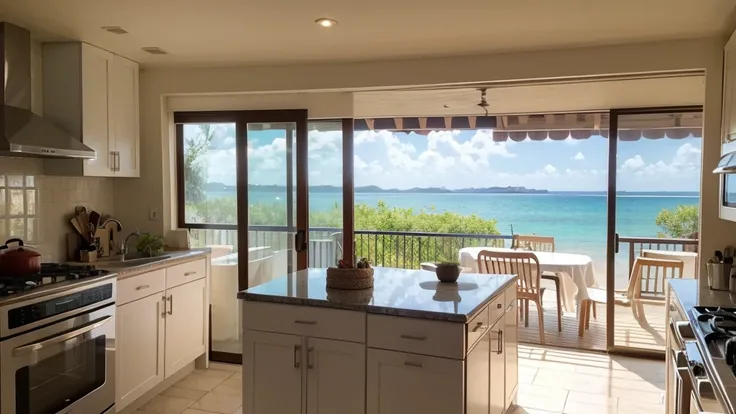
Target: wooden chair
x=542 y=244
x=647 y=276
x=526 y=266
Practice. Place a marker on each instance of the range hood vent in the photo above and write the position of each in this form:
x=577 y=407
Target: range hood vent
x=23 y=133
x=727 y=164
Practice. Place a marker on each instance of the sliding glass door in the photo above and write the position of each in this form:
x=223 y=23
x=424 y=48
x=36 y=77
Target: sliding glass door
x=653 y=199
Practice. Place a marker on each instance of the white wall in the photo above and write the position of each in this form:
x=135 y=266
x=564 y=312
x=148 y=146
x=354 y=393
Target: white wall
x=660 y=57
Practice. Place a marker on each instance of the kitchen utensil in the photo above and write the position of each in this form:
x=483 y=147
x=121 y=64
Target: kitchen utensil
x=94 y=219
x=719 y=275
x=18 y=260
x=83 y=219
x=718 y=255
x=79 y=210
x=78 y=227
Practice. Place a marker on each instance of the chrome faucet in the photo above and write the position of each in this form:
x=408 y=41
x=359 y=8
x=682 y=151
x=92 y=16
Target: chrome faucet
x=124 y=243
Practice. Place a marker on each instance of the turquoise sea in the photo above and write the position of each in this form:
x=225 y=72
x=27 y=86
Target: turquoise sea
x=577 y=220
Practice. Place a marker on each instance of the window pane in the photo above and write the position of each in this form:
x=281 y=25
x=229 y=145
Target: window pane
x=17 y=228
x=209 y=173
x=3 y=231
x=30 y=181
x=325 y=193
x=16 y=202
x=2 y=181
x=2 y=203
x=15 y=181
x=30 y=202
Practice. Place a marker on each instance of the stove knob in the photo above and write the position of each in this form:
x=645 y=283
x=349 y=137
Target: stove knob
x=698 y=370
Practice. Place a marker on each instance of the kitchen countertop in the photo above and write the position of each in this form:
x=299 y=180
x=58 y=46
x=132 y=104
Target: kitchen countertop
x=399 y=292
x=175 y=257
x=686 y=291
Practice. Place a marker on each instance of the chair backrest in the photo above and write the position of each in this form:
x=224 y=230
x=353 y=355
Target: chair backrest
x=652 y=273
x=534 y=243
x=523 y=264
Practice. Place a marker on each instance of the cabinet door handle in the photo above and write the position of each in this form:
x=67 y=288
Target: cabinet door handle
x=500 y=342
x=310 y=357
x=414 y=338
x=171 y=305
x=163 y=313
x=117 y=162
x=477 y=326
x=112 y=160
x=413 y=364
x=141 y=287
x=297 y=356
x=190 y=273
x=305 y=322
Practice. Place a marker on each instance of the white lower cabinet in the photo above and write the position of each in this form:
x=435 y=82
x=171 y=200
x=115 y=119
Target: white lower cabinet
x=156 y=335
x=139 y=349
x=272 y=373
x=478 y=376
x=400 y=382
x=511 y=351
x=290 y=374
x=185 y=336
x=497 y=381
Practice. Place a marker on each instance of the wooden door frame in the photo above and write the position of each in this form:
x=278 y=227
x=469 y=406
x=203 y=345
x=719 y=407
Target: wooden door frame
x=612 y=236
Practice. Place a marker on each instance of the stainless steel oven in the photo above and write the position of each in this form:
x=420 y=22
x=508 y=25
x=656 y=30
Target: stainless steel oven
x=678 y=383
x=59 y=356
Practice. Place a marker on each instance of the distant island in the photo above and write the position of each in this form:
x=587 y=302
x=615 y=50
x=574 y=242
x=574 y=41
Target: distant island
x=220 y=187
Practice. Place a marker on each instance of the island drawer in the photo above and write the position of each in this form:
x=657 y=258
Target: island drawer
x=185 y=272
x=417 y=336
x=477 y=327
x=140 y=286
x=309 y=321
x=497 y=308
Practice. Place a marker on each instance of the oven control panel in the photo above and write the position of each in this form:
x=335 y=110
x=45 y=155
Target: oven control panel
x=38 y=311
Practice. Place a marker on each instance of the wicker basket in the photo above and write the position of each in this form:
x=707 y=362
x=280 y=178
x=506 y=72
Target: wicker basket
x=349 y=279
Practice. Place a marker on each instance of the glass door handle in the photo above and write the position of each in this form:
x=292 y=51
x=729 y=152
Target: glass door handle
x=615 y=243
x=300 y=241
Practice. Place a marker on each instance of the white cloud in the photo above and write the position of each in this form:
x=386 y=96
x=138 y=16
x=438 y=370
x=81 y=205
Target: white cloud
x=549 y=169
x=579 y=156
x=633 y=163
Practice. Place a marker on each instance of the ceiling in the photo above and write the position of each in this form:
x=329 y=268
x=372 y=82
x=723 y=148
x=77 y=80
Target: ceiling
x=538 y=98
x=259 y=32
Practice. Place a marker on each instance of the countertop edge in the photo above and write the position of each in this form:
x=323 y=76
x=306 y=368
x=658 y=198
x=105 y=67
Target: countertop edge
x=128 y=272
x=379 y=310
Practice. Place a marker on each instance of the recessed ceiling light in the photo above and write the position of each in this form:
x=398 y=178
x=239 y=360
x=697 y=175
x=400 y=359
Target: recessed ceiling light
x=325 y=22
x=155 y=50
x=115 y=29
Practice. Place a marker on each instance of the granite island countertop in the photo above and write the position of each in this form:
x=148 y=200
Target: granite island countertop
x=399 y=292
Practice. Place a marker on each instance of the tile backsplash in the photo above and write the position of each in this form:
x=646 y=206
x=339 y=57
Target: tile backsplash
x=56 y=198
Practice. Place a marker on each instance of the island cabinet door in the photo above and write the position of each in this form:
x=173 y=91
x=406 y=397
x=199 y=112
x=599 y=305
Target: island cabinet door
x=477 y=381
x=400 y=383
x=272 y=373
x=498 y=371
x=511 y=351
x=335 y=377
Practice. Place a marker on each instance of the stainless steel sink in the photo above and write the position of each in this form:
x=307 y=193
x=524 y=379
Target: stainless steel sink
x=134 y=259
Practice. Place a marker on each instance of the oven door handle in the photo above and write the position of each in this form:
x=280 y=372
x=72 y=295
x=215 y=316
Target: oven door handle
x=37 y=346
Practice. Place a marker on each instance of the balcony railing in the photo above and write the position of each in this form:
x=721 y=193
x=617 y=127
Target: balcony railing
x=402 y=249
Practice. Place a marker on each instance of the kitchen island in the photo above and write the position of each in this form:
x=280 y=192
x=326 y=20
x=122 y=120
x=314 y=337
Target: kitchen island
x=409 y=344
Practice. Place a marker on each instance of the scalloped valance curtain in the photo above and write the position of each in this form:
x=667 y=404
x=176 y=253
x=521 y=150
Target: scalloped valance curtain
x=549 y=126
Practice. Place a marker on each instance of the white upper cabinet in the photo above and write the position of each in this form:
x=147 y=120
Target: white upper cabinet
x=93 y=94
x=729 y=91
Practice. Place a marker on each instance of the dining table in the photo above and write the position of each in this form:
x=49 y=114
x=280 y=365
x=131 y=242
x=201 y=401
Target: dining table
x=575 y=270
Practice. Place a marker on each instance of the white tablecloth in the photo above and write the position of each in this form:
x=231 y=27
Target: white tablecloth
x=576 y=270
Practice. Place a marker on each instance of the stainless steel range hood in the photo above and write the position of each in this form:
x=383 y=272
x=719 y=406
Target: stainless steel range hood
x=23 y=132
x=727 y=164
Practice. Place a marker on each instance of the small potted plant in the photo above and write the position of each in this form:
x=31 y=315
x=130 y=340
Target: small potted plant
x=448 y=272
x=150 y=244
x=345 y=276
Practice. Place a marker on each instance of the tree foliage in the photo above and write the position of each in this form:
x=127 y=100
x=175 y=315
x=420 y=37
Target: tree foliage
x=194 y=175
x=680 y=222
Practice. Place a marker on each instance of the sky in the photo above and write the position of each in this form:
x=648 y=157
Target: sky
x=462 y=159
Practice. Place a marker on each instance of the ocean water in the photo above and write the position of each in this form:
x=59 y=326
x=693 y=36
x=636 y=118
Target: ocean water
x=576 y=220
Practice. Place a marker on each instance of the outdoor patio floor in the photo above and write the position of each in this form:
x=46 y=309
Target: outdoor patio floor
x=646 y=331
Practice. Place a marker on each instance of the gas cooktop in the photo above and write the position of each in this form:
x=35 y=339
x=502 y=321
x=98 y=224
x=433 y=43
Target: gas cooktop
x=50 y=273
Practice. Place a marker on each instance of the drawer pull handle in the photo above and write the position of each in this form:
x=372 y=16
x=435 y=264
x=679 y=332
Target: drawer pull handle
x=310 y=358
x=500 y=342
x=141 y=287
x=305 y=322
x=190 y=273
x=499 y=306
x=477 y=326
x=297 y=356
x=413 y=364
x=414 y=338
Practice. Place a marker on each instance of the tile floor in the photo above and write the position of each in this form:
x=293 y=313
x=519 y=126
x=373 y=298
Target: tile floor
x=214 y=390
x=551 y=381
